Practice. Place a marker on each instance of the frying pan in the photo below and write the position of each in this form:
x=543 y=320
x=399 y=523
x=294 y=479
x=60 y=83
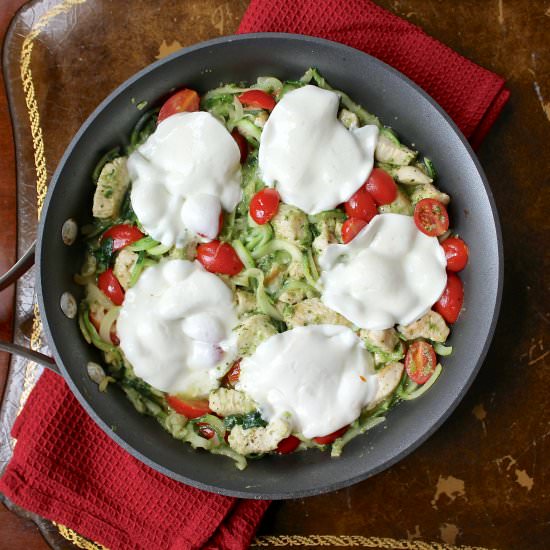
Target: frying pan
x=399 y=103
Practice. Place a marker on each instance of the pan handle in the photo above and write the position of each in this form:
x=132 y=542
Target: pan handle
x=31 y=355
x=19 y=269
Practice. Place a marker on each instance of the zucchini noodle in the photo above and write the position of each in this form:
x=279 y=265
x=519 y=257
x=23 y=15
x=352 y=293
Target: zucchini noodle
x=107 y=323
x=425 y=387
x=262 y=299
x=146 y=243
x=244 y=254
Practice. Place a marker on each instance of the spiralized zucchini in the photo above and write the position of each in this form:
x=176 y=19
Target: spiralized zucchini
x=275 y=269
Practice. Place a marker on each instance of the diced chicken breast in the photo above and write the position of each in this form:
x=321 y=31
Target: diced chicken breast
x=387 y=151
x=252 y=332
x=124 y=265
x=258 y=440
x=226 y=401
x=401 y=205
x=383 y=340
x=111 y=187
x=291 y=224
x=313 y=312
x=429 y=191
x=431 y=326
x=388 y=379
x=411 y=175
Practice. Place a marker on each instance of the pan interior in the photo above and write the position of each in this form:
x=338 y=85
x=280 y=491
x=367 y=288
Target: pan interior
x=398 y=103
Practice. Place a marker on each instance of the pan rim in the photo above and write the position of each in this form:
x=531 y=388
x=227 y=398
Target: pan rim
x=328 y=486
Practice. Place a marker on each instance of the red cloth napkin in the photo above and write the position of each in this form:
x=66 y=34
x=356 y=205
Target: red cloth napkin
x=66 y=469
x=472 y=96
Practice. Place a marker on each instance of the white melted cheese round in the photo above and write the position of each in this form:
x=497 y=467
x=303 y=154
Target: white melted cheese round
x=183 y=175
x=389 y=273
x=320 y=376
x=309 y=156
x=175 y=325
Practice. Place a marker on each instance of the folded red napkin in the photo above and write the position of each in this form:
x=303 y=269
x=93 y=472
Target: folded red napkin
x=472 y=96
x=66 y=469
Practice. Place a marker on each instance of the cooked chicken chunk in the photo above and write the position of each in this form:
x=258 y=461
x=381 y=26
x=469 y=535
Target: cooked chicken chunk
x=258 y=440
x=111 y=187
x=431 y=326
x=383 y=340
x=291 y=224
x=388 y=379
x=124 y=265
x=313 y=312
x=226 y=401
x=252 y=332
x=388 y=151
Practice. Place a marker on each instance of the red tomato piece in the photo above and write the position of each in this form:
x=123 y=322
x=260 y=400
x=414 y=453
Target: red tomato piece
x=257 y=98
x=122 y=235
x=361 y=205
x=431 y=217
x=184 y=100
x=232 y=376
x=109 y=285
x=264 y=205
x=205 y=430
x=420 y=361
x=242 y=144
x=450 y=303
x=218 y=257
x=287 y=445
x=381 y=186
x=191 y=408
x=456 y=253
x=351 y=227
x=326 y=439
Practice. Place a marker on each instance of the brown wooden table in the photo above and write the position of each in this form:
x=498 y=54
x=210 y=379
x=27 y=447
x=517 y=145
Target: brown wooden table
x=507 y=498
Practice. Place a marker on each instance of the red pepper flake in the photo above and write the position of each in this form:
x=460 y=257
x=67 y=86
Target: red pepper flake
x=363 y=378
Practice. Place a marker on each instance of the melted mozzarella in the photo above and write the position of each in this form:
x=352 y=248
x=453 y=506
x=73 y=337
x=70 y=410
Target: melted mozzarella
x=309 y=156
x=183 y=175
x=175 y=326
x=318 y=376
x=389 y=273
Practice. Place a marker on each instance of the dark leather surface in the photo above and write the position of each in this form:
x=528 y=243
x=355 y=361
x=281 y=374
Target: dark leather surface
x=481 y=479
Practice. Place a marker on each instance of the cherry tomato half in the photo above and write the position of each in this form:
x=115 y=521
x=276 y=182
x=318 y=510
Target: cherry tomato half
x=287 y=445
x=241 y=143
x=232 y=376
x=420 y=361
x=191 y=408
x=218 y=257
x=122 y=235
x=381 y=186
x=361 y=205
x=351 y=227
x=264 y=205
x=456 y=253
x=184 y=100
x=326 y=439
x=450 y=303
x=430 y=216
x=109 y=285
x=257 y=98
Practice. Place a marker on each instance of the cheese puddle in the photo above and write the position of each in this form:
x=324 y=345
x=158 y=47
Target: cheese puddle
x=182 y=177
x=320 y=376
x=175 y=325
x=308 y=154
x=389 y=273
